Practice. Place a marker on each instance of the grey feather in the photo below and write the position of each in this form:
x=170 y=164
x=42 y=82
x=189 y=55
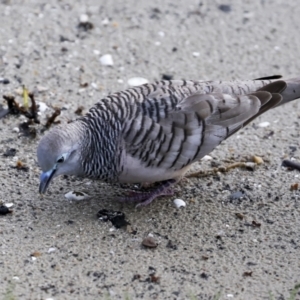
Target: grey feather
x=154 y=132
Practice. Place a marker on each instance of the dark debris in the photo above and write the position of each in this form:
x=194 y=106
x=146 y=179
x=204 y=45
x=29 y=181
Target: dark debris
x=52 y=118
x=4 y=210
x=224 y=8
x=291 y=165
x=117 y=218
x=10 y=152
x=167 y=77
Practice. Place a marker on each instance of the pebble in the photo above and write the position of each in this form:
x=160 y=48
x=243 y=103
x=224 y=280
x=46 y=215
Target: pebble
x=264 y=124
x=77 y=196
x=179 y=203
x=16 y=129
x=106 y=60
x=9 y=205
x=196 y=54
x=96 y=52
x=4 y=80
x=52 y=249
x=42 y=89
x=4 y=210
x=258 y=160
x=237 y=195
x=136 y=81
x=149 y=242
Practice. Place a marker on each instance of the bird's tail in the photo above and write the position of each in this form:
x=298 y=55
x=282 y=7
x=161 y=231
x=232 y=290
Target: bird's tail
x=292 y=90
x=280 y=92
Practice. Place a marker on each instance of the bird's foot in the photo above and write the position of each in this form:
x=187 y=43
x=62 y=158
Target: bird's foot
x=145 y=198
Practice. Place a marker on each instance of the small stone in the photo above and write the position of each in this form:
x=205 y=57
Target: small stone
x=136 y=81
x=4 y=80
x=237 y=195
x=167 y=77
x=258 y=160
x=225 y=8
x=42 y=89
x=250 y=166
x=149 y=242
x=264 y=124
x=84 y=18
x=96 y=52
x=161 y=33
x=75 y=195
x=51 y=250
x=4 y=210
x=106 y=60
x=9 y=205
x=196 y=54
x=179 y=203
x=16 y=129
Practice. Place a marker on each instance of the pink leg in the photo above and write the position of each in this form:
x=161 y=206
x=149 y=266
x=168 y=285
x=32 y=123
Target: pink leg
x=145 y=198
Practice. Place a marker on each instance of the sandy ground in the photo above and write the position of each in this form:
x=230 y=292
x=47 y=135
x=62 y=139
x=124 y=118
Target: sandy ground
x=52 y=248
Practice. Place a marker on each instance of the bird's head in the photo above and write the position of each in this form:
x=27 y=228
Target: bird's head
x=58 y=153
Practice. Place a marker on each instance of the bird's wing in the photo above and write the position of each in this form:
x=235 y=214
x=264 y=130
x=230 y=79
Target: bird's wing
x=172 y=135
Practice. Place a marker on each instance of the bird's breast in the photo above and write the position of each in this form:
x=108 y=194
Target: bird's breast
x=134 y=171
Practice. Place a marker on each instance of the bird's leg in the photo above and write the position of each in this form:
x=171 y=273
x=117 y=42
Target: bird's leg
x=145 y=198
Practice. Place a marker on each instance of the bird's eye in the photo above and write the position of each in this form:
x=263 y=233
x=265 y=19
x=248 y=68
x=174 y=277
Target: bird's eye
x=61 y=159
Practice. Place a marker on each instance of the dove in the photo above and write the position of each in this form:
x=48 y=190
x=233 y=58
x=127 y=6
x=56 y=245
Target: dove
x=154 y=132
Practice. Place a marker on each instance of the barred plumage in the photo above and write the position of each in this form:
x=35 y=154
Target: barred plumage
x=155 y=131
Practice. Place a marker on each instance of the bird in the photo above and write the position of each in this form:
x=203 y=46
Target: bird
x=154 y=132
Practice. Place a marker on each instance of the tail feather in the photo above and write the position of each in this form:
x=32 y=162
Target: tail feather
x=292 y=90
x=280 y=91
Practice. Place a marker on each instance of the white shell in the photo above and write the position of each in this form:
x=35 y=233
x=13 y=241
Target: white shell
x=83 y=18
x=135 y=81
x=96 y=52
x=52 y=249
x=75 y=195
x=206 y=157
x=16 y=129
x=264 y=124
x=42 y=106
x=8 y=205
x=196 y=54
x=179 y=203
x=105 y=22
x=106 y=60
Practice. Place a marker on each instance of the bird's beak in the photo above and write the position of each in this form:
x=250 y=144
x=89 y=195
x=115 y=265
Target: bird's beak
x=45 y=180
